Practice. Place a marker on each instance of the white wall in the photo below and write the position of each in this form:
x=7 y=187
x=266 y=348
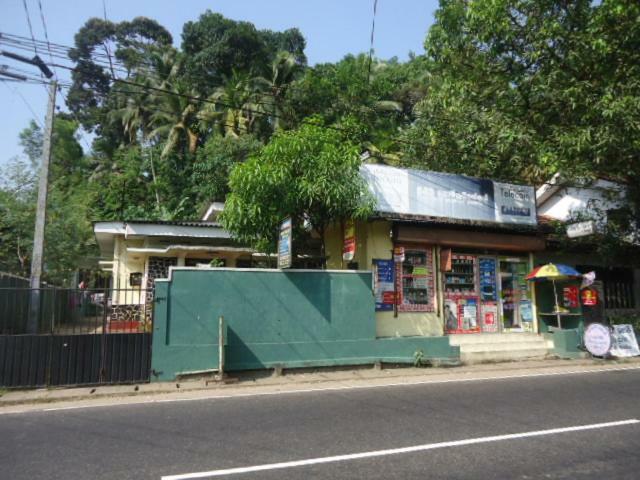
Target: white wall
x=566 y=202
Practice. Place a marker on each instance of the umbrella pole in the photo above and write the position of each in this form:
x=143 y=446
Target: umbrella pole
x=555 y=294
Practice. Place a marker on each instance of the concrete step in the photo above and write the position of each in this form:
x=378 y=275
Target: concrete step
x=493 y=338
x=503 y=356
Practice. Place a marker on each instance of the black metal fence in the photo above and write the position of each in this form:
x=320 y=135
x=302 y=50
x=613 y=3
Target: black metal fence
x=59 y=336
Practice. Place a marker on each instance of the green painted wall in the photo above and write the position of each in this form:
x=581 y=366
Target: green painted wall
x=274 y=318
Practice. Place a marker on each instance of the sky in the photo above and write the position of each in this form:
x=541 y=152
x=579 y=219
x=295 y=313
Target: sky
x=332 y=28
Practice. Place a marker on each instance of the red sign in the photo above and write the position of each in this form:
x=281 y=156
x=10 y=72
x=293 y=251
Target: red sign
x=349 y=245
x=388 y=297
x=589 y=297
x=398 y=254
x=489 y=318
x=570 y=296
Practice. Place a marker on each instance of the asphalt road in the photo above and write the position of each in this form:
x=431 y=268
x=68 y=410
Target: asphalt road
x=158 y=440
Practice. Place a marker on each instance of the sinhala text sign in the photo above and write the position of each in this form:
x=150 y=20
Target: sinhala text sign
x=597 y=339
x=418 y=192
x=581 y=229
x=284 y=244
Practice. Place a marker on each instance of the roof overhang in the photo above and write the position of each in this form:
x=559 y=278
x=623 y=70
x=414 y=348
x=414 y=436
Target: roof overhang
x=190 y=248
x=106 y=232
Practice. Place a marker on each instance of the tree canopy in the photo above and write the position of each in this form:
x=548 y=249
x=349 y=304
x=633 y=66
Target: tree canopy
x=513 y=90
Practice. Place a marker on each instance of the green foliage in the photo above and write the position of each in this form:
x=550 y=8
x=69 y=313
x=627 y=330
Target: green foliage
x=521 y=89
x=69 y=240
x=309 y=174
x=214 y=163
x=216 y=46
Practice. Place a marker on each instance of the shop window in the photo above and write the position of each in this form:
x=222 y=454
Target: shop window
x=618 y=285
x=414 y=277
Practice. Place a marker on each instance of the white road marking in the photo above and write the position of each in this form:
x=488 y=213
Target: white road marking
x=395 y=451
x=409 y=383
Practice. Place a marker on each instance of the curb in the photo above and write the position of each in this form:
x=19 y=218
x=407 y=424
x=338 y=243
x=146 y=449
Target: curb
x=291 y=378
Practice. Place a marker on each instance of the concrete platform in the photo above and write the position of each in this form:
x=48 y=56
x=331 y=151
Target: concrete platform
x=501 y=347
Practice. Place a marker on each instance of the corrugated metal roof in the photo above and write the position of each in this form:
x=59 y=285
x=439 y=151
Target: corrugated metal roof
x=178 y=223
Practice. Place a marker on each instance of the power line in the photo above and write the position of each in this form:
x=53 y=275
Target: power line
x=26 y=11
x=46 y=33
x=373 y=29
x=33 y=113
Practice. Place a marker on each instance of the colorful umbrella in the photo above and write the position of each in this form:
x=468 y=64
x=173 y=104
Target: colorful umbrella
x=551 y=271
x=554 y=272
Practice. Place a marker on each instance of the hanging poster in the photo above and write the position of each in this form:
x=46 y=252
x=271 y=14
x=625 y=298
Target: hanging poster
x=589 y=297
x=468 y=313
x=349 y=243
x=526 y=311
x=487 y=279
x=451 y=315
x=570 y=296
x=384 y=284
x=490 y=317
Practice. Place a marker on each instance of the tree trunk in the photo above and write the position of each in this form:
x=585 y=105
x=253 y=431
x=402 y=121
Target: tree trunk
x=153 y=177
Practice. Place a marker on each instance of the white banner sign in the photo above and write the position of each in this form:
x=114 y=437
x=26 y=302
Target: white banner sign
x=418 y=192
x=624 y=343
x=581 y=229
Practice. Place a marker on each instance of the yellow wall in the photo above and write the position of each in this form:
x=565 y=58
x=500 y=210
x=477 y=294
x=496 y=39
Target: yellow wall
x=373 y=240
x=125 y=263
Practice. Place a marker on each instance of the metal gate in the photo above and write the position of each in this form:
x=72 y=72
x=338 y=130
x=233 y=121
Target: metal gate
x=56 y=336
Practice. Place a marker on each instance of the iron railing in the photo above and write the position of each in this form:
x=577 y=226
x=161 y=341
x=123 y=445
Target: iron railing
x=67 y=311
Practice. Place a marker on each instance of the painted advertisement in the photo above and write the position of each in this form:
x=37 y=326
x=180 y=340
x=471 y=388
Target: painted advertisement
x=418 y=192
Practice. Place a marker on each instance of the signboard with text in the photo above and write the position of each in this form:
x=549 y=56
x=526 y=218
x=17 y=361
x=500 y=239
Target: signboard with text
x=284 y=244
x=624 y=342
x=581 y=229
x=418 y=192
x=384 y=284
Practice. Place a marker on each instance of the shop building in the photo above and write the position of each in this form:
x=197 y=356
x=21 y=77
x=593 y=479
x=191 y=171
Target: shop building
x=449 y=253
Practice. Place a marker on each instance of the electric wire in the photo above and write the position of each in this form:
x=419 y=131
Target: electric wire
x=373 y=29
x=394 y=140
x=46 y=35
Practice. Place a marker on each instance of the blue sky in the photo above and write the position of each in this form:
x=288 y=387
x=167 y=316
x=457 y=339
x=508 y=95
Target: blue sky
x=333 y=28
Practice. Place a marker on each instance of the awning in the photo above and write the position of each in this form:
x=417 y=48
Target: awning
x=469 y=239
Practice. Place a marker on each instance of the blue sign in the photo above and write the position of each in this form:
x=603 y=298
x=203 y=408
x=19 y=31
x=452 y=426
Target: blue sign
x=384 y=287
x=488 y=291
x=284 y=244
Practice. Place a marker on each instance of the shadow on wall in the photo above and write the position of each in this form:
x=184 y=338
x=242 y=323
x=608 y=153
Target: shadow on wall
x=316 y=288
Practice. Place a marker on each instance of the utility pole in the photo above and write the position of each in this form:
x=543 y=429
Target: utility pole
x=41 y=213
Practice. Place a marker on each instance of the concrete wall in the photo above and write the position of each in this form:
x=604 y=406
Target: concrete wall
x=290 y=318
x=374 y=241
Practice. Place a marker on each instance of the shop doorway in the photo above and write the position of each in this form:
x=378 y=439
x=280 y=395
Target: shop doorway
x=516 y=312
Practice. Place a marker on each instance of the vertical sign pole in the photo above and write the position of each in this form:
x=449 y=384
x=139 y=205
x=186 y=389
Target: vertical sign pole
x=221 y=347
x=41 y=210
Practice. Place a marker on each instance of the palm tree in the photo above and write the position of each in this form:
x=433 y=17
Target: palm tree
x=234 y=106
x=174 y=119
x=284 y=70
